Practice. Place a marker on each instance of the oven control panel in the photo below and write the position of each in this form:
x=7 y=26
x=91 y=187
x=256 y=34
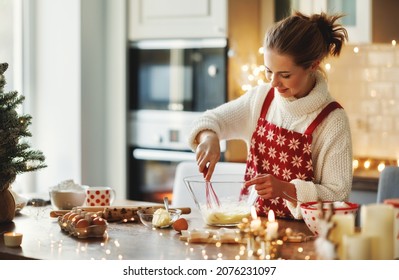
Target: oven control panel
x=160 y=129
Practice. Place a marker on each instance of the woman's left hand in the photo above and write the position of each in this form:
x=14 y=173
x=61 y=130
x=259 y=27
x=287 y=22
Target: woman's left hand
x=268 y=186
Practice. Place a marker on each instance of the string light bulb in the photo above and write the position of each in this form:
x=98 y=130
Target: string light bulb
x=355 y=164
x=327 y=66
x=381 y=166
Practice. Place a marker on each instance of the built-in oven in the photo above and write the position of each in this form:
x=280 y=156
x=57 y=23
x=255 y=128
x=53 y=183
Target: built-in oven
x=170 y=82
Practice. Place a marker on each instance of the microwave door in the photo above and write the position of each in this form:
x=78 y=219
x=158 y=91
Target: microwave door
x=181 y=81
x=176 y=84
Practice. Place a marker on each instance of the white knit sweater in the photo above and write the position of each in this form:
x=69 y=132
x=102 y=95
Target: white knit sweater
x=331 y=147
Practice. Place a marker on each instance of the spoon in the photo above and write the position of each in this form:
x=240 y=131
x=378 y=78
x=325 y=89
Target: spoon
x=166 y=203
x=298 y=201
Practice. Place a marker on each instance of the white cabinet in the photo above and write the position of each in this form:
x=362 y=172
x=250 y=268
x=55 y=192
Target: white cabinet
x=158 y=19
x=357 y=19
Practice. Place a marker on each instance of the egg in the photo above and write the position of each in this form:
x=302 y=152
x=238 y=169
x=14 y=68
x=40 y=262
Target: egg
x=180 y=224
x=99 y=221
x=76 y=219
x=71 y=216
x=65 y=217
x=82 y=223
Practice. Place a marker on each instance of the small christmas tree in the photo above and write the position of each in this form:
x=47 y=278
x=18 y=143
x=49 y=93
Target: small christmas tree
x=15 y=155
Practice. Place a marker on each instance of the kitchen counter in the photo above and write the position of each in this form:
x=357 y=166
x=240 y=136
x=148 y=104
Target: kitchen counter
x=364 y=188
x=43 y=239
x=365 y=180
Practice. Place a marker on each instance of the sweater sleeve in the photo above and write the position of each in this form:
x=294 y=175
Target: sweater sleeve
x=332 y=164
x=235 y=119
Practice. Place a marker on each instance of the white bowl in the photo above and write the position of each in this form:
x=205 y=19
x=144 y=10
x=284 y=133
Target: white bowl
x=67 y=195
x=311 y=214
x=66 y=200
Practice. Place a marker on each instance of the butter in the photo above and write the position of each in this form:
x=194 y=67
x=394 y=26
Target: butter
x=161 y=218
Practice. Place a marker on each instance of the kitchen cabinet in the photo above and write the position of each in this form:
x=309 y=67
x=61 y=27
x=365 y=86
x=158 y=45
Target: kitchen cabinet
x=367 y=21
x=357 y=19
x=159 y=19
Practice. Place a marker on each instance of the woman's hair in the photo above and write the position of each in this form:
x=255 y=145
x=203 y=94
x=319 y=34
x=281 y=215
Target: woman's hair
x=307 y=38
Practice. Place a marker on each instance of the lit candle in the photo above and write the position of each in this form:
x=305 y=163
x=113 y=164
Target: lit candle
x=377 y=222
x=256 y=222
x=12 y=239
x=272 y=226
x=343 y=224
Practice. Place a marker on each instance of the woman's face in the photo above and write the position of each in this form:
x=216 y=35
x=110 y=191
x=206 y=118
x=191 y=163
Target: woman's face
x=289 y=79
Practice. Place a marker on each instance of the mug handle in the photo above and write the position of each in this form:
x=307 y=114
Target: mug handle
x=113 y=196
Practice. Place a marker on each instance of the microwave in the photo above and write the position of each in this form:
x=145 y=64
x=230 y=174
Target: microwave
x=177 y=75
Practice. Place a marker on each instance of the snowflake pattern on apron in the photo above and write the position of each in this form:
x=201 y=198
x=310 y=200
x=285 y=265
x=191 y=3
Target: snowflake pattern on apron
x=285 y=154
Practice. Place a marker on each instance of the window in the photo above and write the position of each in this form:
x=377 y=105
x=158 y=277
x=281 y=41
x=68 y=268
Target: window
x=11 y=51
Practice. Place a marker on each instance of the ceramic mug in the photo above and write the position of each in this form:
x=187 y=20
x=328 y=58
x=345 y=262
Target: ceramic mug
x=99 y=196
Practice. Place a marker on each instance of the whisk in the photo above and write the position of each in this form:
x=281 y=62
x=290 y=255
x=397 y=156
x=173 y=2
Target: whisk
x=210 y=194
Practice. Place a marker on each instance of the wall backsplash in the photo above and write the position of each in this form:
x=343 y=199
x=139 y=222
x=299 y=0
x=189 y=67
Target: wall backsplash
x=366 y=83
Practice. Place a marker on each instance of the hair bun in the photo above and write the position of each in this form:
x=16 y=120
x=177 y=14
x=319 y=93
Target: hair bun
x=333 y=33
x=325 y=26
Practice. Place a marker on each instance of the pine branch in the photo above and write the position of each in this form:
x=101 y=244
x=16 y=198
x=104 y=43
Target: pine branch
x=10 y=100
x=16 y=156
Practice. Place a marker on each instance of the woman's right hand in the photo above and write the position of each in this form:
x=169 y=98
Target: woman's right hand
x=207 y=152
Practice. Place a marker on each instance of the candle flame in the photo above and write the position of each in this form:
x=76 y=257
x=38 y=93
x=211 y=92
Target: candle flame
x=270 y=216
x=253 y=212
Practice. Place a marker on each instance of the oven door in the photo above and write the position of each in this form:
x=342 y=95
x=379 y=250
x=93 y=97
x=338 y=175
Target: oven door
x=157 y=143
x=152 y=173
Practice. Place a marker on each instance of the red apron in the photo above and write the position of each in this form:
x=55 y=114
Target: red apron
x=285 y=154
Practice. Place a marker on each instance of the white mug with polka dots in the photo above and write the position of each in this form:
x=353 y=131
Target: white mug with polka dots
x=99 y=196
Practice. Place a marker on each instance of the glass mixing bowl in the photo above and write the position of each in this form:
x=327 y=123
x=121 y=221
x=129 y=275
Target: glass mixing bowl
x=220 y=201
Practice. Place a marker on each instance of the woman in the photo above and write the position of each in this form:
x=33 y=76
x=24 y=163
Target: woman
x=298 y=137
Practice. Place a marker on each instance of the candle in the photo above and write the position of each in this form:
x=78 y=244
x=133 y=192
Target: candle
x=343 y=224
x=256 y=222
x=272 y=226
x=395 y=203
x=12 y=239
x=356 y=246
x=377 y=222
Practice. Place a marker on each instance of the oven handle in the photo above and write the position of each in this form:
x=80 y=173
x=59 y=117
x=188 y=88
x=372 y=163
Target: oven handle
x=162 y=155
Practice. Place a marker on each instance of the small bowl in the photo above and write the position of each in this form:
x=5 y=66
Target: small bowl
x=311 y=214
x=147 y=215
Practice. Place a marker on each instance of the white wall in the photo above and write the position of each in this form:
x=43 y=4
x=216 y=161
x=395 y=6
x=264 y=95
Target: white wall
x=57 y=95
x=104 y=94
x=77 y=92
